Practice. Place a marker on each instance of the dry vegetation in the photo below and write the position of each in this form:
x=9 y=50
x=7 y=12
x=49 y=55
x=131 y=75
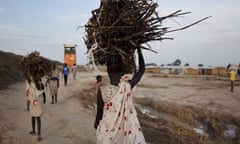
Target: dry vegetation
x=9 y=72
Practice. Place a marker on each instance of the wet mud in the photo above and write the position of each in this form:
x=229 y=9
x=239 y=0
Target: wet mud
x=168 y=123
x=165 y=122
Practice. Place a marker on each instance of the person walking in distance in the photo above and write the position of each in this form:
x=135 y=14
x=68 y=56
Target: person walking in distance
x=43 y=83
x=74 y=71
x=53 y=81
x=232 y=77
x=238 y=70
x=65 y=73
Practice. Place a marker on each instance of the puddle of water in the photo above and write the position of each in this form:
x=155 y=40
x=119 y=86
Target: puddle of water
x=231 y=131
x=167 y=117
x=200 y=131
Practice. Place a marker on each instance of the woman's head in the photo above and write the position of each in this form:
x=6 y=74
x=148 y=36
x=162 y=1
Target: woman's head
x=99 y=78
x=114 y=64
x=54 y=66
x=114 y=69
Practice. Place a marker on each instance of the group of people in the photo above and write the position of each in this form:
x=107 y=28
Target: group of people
x=116 y=119
x=36 y=93
x=66 y=72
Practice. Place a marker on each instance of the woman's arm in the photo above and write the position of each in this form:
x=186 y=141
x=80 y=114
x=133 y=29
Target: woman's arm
x=100 y=105
x=138 y=75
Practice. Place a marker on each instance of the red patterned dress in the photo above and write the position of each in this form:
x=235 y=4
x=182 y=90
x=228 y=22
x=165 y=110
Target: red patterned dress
x=119 y=124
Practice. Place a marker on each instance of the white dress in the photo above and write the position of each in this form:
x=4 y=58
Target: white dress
x=35 y=97
x=53 y=84
x=119 y=124
x=74 y=70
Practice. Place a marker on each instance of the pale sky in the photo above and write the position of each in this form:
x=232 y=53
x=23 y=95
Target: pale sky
x=45 y=25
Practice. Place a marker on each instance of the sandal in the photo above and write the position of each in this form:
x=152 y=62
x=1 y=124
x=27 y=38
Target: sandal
x=32 y=133
x=39 y=138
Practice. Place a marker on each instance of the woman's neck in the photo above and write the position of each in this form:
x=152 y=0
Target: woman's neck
x=114 y=78
x=114 y=83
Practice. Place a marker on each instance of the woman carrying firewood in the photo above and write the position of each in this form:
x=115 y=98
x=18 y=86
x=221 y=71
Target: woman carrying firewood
x=114 y=32
x=35 y=68
x=116 y=119
x=35 y=93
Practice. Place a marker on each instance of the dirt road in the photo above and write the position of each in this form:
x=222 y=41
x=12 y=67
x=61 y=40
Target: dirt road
x=65 y=122
x=171 y=110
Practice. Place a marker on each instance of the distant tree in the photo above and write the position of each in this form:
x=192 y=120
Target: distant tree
x=177 y=62
x=150 y=64
x=186 y=64
x=162 y=65
x=228 y=66
x=200 y=65
x=169 y=64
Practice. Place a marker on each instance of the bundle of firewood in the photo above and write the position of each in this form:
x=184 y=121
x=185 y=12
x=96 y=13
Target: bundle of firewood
x=119 y=27
x=35 y=65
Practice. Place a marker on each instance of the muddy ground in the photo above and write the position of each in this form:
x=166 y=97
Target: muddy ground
x=171 y=109
x=186 y=109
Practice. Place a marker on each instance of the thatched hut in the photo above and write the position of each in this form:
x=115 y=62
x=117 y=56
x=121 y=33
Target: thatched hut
x=176 y=70
x=191 y=71
x=220 y=71
x=152 y=69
